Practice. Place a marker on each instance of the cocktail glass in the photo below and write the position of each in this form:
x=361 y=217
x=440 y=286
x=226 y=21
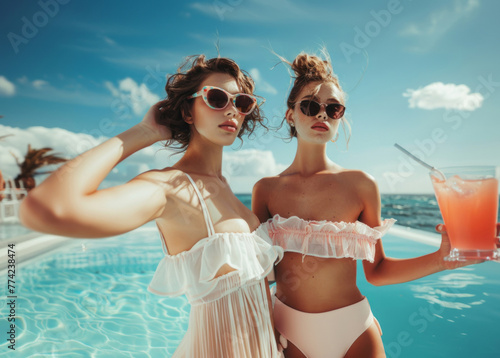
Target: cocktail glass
x=468 y=200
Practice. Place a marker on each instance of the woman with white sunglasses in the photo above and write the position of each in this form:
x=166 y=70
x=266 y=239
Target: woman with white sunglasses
x=212 y=253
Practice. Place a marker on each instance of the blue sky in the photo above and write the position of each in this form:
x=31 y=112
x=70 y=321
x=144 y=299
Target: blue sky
x=424 y=74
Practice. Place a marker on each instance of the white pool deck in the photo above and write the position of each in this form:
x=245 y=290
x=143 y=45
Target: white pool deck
x=30 y=246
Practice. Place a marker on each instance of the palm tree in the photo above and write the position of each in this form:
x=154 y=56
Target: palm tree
x=34 y=160
x=2 y=181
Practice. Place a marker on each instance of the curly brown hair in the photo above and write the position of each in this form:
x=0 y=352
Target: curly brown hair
x=187 y=81
x=310 y=68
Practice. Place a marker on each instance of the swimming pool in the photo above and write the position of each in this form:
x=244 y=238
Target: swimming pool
x=89 y=298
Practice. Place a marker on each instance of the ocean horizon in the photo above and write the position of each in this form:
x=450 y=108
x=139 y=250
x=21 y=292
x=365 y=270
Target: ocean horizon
x=417 y=211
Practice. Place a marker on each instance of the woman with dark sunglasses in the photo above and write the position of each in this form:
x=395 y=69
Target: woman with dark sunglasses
x=212 y=252
x=326 y=217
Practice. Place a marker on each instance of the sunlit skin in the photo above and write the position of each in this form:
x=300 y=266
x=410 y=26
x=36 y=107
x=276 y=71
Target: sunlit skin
x=315 y=188
x=68 y=202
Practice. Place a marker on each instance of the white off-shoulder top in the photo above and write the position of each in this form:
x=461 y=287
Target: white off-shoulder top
x=229 y=314
x=192 y=273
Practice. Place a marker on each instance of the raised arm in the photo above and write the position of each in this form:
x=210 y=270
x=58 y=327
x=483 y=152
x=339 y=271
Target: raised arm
x=386 y=270
x=68 y=202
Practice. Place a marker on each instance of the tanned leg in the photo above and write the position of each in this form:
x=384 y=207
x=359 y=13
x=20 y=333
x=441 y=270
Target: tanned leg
x=292 y=351
x=368 y=345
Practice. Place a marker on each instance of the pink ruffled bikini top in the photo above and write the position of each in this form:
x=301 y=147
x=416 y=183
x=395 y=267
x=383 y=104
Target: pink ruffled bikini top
x=324 y=238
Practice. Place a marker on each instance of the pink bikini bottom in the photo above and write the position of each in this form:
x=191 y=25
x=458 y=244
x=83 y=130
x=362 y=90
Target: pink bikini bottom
x=326 y=334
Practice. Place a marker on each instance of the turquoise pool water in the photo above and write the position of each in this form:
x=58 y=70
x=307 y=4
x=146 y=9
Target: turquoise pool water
x=8 y=231
x=454 y=313
x=90 y=299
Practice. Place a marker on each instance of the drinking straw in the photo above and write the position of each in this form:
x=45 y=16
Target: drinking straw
x=438 y=173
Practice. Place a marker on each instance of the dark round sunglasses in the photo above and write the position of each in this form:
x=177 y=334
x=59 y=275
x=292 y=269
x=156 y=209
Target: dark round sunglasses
x=312 y=108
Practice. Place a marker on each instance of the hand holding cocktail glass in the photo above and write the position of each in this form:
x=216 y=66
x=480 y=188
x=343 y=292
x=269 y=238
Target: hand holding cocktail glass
x=468 y=199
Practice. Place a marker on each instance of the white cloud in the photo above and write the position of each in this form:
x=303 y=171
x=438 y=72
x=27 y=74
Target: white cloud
x=440 y=95
x=260 y=84
x=69 y=144
x=243 y=168
x=7 y=88
x=441 y=20
x=438 y=23
x=226 y=40
x=138 y=59
x=23 y=80
x=135 y=57
x=278 y=11
x=66 y=143
x=138 y=97
x=67 y=90
x=108 y=40
x=39 y=84
x=114 y=91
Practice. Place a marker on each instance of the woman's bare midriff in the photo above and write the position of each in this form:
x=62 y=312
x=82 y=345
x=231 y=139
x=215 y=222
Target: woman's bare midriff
x=316 y=284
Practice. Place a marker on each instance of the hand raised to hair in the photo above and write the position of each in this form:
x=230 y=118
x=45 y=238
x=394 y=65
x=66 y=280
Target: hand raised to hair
x=150 y=122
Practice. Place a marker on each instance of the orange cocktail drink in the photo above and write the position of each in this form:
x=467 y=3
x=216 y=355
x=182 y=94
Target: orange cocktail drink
x=468 y=200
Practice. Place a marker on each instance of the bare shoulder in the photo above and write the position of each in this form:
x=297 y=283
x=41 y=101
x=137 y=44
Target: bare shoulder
x=362 y=181
x=358 y=176
x=175 y=187
x=265 y=185
x=160 y=174
x=263 y=188
x=167 y=178
x=261 y=195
